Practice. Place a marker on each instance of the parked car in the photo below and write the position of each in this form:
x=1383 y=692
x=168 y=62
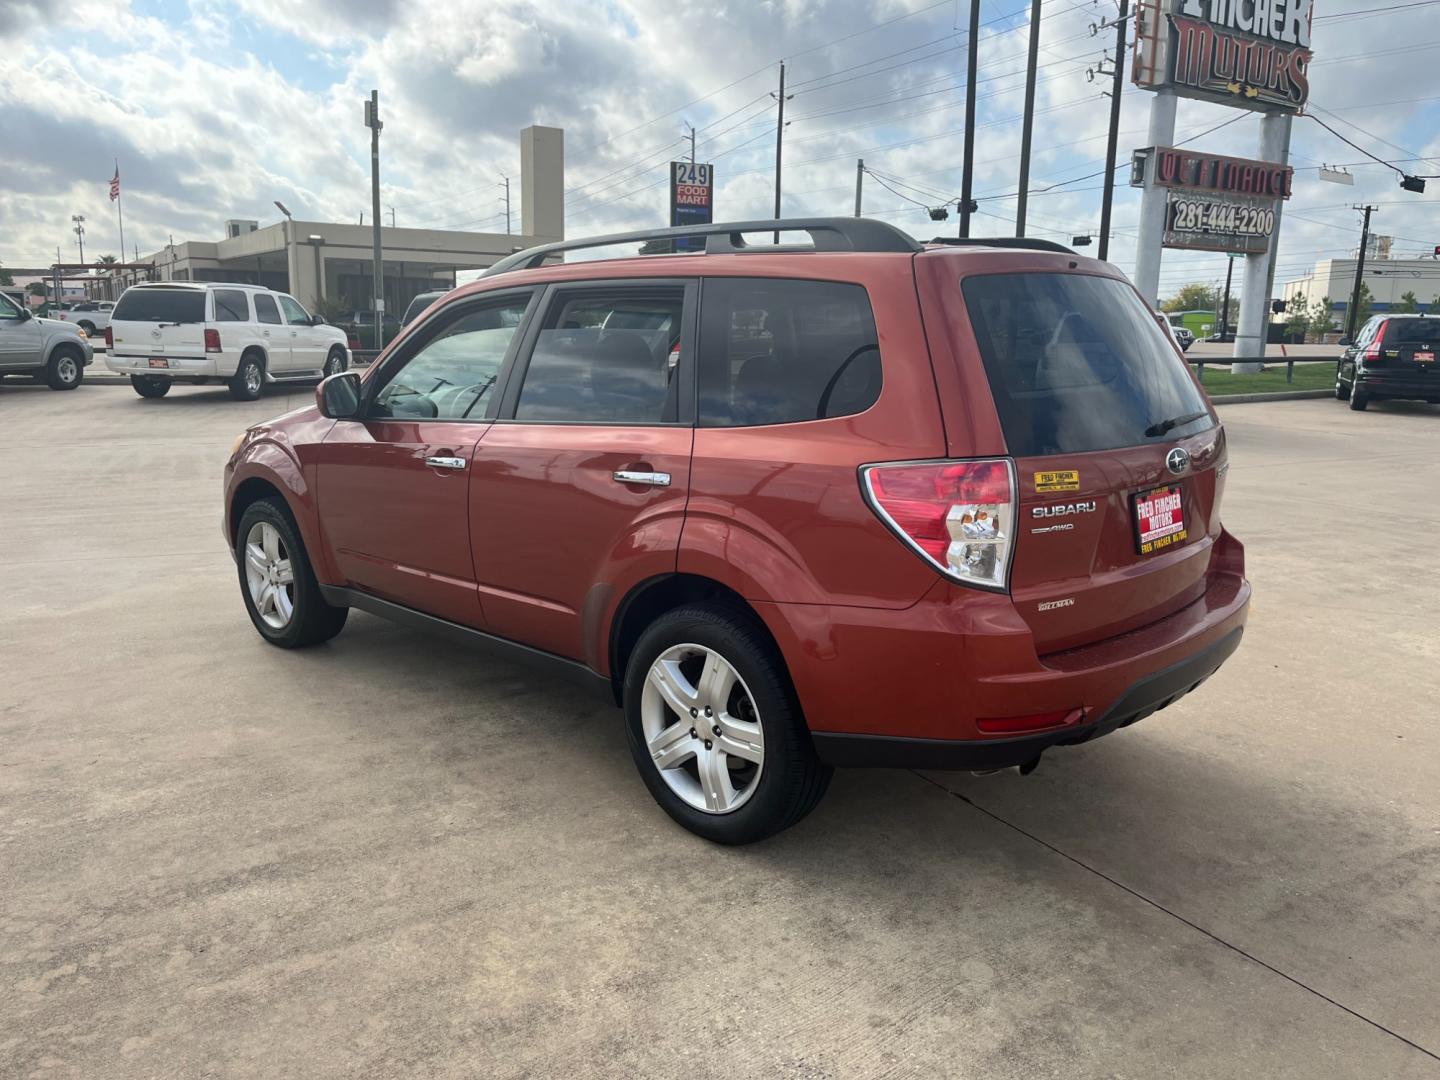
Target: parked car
x=1184 y=336
x=92 y=316
x=1392 y=356
x=1226 y=337
x=359 y=327
x=870 y=503
x=1173 y=332
x=420 y=303
x=199 y=332
x=48 y=349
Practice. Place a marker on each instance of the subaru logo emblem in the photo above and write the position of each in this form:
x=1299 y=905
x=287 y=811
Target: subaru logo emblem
x=1178 y=460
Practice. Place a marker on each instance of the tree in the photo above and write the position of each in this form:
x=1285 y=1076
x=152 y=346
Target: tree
x=1365 y=307
x=107 y=259
x=5 y=278
x=1409 y=304
x=1194 y=297
x=36 y=288
x=1435 y=305
x=1322 y=317
x=1297 y=323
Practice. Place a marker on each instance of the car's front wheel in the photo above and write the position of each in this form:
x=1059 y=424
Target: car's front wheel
x=66 y=369
x=715 y=729
x=335 y=362
x=150 y=386
x=282 y=595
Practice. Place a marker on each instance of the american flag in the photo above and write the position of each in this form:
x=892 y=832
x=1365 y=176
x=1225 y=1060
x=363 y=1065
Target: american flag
x=115 y=185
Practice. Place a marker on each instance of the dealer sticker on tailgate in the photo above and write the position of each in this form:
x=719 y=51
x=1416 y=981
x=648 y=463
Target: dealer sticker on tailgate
x=1159 y=519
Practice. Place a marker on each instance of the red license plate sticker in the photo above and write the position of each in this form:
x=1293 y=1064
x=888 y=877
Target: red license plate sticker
x=1425 y=358
x=159 y=361
x=1159 y=519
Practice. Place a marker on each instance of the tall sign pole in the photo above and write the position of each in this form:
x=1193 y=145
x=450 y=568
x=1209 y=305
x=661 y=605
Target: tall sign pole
x=1116 y=87
x=372 y=121
x=1252 y=329
x=967 y=180
x=1028 y=128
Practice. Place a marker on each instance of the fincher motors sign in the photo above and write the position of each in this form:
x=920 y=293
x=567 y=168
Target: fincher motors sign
x=1254 y=54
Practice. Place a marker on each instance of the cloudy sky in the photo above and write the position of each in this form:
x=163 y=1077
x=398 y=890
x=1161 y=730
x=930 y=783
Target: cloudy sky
x=216 y=108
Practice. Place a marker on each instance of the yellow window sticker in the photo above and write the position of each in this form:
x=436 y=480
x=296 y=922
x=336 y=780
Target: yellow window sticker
x=1060 y=480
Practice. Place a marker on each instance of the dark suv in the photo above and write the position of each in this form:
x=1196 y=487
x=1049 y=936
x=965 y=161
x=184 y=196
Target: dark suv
x=859 y=501
x=1393 y=356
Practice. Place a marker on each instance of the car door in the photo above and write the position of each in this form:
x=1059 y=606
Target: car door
x=305 y=351
x=579 y=488
x=273 y=331
x=20 y=337
x=393 y=486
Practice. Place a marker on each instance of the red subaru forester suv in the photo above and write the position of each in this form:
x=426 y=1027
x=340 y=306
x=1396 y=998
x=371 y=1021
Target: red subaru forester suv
x=858 y=501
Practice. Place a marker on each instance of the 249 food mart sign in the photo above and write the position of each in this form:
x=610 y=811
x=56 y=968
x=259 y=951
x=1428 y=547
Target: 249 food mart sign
x=1215 y=203
x=1252 y=54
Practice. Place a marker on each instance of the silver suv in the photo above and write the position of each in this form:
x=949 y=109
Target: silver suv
x=48 y=349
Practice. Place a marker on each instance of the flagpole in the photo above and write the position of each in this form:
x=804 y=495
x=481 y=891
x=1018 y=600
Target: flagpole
x=119 y=211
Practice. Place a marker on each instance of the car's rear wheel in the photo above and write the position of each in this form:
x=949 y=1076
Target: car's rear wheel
x=334 y=363
x=150 y=386
x=1342 y=390
x=715 y=729
x=248 y=379
x=281 y=593
x=1358 y=401
x=66 y=369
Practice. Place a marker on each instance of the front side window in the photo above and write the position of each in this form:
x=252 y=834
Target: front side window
x=1077 y=363
x=8 y=308
x=231 y=305
x=776 y=351
x=295 y=315
x=610 y=357
x=454 y=373
x=265 y=309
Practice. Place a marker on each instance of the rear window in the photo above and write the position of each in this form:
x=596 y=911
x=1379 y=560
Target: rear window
x=1411 y=332
x=1077 y=363
x=161 y=305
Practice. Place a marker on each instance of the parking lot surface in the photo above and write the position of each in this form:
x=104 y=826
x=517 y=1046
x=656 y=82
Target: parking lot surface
x=392 y=857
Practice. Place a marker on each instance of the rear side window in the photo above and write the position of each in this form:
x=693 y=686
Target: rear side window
x=1077 y=363
x=777 y=351
x=606 y=359
x=159 y=304
x=1411 y=332
x=265 y=309
x=231 y=305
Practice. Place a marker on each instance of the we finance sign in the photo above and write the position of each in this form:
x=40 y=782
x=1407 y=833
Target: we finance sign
x=1252 y=54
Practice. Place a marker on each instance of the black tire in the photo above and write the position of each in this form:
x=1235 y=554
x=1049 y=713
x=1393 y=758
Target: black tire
x=312 y=620
x=249 y=378
x=1342 y=391
x=65 y=369
x=150 y=386
x=334 y=363
x=1358 y=401
x=88 y=327
x=792 y=778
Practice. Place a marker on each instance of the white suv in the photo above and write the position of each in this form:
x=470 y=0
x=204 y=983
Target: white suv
x=199 y=331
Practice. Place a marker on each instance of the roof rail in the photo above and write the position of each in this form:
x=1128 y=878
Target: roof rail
x=725 y=238
x=1029 y=243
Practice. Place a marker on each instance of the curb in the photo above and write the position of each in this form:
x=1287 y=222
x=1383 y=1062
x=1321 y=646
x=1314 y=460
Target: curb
x=1285 y=395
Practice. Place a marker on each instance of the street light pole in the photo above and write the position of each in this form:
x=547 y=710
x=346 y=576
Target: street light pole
x=1225 y=304
x=372 y=121
x=79 y=231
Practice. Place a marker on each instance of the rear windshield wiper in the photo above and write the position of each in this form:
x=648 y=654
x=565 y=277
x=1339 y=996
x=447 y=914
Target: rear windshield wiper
x=1166 y=426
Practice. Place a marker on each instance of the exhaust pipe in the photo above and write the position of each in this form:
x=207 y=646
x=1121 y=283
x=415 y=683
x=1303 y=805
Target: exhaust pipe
x=1024 y=769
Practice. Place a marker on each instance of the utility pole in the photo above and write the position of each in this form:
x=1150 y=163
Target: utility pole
x=692 y=142
x=79 y=231
x=506 y=182
x=967 y=180
x=1117 y=87
x=1022 y=204
x=1353 y=313
x=779 y=143
x=859 y=183
x=1225 y=304
x=372 y=121
x=392 y=215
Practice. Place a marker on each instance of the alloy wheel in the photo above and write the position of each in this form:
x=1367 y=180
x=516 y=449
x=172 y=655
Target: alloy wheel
x=702 y=729
x=252 y=378
x=269 y=575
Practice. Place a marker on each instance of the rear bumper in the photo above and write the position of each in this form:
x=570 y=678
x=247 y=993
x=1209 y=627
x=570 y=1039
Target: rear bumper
x=181 y=367
x=1405 y=384
x=913 y=686
x=1149 y=695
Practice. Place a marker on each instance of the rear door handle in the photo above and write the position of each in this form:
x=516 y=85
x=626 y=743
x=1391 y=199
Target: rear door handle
x=630 y=476
x=445 y=462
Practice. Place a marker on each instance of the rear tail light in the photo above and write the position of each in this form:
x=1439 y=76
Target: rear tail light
x=212 y=340
x=1009 y=725
x=353 y=341
x=958 y=515
x=109 y=338
x=1373 y=352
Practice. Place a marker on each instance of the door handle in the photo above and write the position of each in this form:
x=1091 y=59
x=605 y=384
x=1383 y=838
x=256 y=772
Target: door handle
x=630 y=476
x=445 y=462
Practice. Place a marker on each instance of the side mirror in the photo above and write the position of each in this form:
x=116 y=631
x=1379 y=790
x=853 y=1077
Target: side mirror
x=25 y=314
x=1346 y=342
x=339 y=396
x=317 y=320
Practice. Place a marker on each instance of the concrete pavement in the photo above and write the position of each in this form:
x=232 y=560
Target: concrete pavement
x=392 y=857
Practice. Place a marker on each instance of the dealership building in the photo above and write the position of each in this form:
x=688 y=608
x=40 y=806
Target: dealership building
x=319 y=261
x=1389 y=280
